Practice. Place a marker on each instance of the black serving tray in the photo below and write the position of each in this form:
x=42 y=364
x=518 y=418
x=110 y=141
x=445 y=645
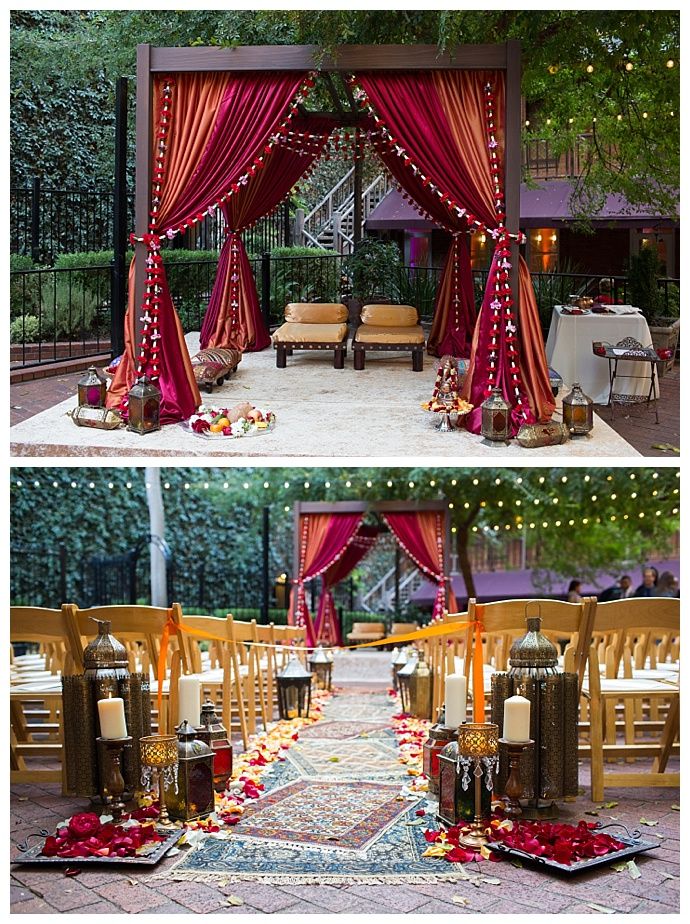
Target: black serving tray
x=633 y=841
x=158 y=851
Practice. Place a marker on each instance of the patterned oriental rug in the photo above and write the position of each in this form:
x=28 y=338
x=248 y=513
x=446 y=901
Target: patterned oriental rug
x=342 y=730
x=356 y=759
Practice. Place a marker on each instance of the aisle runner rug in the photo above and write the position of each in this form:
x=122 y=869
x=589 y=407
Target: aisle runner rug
x=357 y=759
x=342 y=730
x=347 y=816
x=369 y=707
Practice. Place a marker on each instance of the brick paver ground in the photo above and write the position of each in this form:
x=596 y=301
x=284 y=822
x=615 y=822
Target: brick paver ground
x=521 y=890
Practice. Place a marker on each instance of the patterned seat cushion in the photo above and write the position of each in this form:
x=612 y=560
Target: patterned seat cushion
x=224 y=356
x=292 y=332
x=374 y=333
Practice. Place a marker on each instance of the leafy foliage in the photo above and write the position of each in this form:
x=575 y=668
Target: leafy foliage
x=644 y=290
x=374 y=268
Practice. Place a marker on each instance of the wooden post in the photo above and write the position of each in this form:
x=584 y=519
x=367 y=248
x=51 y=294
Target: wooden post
x=142 y=197
x=513 y=136
x=118 y=275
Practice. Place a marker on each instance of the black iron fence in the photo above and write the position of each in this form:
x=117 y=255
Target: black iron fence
x=40 y=576
x=63 y=313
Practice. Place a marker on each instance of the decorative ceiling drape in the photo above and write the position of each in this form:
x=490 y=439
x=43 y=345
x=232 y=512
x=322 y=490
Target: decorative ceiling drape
x=233 y=318
x=327 y=627
x=421 y=535
x=212 y=137
x=323 y=538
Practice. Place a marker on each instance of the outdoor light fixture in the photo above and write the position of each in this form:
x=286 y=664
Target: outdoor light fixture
x=398 y=662
x=322 y=667
x=578 y=413
x=91 y=389
x=404 y=677
x=144 y=407
x=294 y=690
x=213 y=733
x=194 y=796
x=496 y=417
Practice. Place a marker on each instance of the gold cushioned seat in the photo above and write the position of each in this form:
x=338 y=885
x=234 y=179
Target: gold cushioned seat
x=295 y=332
x=376 y=333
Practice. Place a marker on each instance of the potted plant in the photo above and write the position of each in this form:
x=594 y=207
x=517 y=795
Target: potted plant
x=662 y=315
x=373 y=271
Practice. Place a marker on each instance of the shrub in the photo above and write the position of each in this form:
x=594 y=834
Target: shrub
x=644 y=290
x=24 y=286
x=373 y=268
x=24 y=329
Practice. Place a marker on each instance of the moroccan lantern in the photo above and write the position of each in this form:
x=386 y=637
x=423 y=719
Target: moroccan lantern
x=440 y=735
x=213 y=733
x=321 y=667
x=421 y=689
x=294 y=690
x=578 y=412
x=404 y=678
x=398 y=661
x=144 y=407
x=194 y=797
x=496 y=417
x=548 y=769
x=91 y=389
x=456 y=802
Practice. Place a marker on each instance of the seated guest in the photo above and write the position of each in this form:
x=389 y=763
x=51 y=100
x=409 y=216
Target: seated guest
x=648 y=586
x=574 y=592
x=605 y=297
x=620 y=591
x=667 y=586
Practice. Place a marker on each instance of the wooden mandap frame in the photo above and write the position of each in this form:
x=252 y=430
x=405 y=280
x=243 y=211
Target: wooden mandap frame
x=306 y=507
x=346 y=59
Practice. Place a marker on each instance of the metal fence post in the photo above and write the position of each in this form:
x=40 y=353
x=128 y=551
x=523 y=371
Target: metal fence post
x=266 y=288
x=118 y=283
x=36 y=220
x=287 y=229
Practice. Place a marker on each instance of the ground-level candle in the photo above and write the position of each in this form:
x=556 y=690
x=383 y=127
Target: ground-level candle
x=456 y=699
x=516 y=711
x=111 y=716
x=189 y=690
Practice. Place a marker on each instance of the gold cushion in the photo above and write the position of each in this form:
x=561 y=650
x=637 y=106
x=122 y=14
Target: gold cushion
x=390 y=315
x=316 y=313
x=291 y=332
x=372 y=333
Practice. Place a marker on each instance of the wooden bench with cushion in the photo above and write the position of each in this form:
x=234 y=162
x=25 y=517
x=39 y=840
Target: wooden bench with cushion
x=402 y=628
x=389 y=328
x=312 y=326
x=367 y=632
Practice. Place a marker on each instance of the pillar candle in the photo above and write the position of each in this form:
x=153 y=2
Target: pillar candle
x=456 y=699
x=516 y=718
x=189 y=709
x=111 y=716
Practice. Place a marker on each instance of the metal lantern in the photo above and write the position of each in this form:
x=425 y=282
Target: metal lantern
x=440 y=735
x=578 y=411
x=549 y=769
x=404 y=677
x=194 y=796
x=294 y=690
x=398 y=661
x=322 y=667
x=456 y=804
x=144 y=407
x=213 y=733
x=91 y=389
x=496 y=417
x=421 y=685
x=158 y=754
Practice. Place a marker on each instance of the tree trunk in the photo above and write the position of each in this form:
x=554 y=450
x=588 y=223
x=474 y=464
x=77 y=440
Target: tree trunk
x=154 y=497
x=464 y=559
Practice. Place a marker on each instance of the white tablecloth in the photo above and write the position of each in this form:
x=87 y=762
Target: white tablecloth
x=569 y=352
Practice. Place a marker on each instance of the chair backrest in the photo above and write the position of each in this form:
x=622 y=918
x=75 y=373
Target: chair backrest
x=400 y=628
x=631 y=618
x=390 y=315
x=368 y=628
x=207 y=625
x=42 y=625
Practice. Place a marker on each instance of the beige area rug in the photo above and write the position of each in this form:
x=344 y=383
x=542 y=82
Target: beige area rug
x=322 y=413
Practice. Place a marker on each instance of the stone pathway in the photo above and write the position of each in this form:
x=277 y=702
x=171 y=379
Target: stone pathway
x=521 y=891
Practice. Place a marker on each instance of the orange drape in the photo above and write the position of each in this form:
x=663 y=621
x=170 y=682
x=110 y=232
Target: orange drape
x=533 y=365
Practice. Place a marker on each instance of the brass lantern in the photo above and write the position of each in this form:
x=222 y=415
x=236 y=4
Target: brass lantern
x=456 y=804
x=440 y=735
x=321 y=667
x=144 y=407
x=421 y=686
x=91 y=389
x=194 y=797
x=213 y=733
x=578 y=411
x=294 y=690
x=399 y=661
x=496 y=417
x=404 y=677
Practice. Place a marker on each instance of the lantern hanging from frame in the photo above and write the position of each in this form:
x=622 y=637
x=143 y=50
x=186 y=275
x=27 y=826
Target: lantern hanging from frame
x=91 y=389
x=144 y=407
x=321 y=668
x=294 y=690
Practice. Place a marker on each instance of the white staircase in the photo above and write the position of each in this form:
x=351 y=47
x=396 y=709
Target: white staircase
x=381 y=597
x=330 y=225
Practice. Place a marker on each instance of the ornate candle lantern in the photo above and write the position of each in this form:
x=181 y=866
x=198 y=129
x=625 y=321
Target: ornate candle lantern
x=398 y=662
x=294 y=690
x=322 y=668
x=578 y=413
x=496 y=417
x=549 y=769
x=478 y=749
x=421 y=686
x=106 y=674
x=440 y=735
x=213 y=733
x=194 y=796
x=91 y=389
x=457 y=800
x=159 y=757
x=144 y=406
x=404 y=679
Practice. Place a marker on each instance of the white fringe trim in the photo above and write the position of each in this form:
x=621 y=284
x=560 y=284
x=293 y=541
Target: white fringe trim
x=308 y=878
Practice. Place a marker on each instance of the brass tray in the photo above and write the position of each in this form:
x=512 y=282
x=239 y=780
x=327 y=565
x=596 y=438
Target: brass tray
x=157 y=852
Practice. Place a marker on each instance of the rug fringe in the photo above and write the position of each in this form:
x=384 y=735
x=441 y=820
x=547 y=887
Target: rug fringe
x=306 y=879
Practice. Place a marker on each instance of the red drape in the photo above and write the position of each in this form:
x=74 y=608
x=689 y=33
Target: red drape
x=327 y=627
x=323 y=538
x=233 y=318
x=421 y=535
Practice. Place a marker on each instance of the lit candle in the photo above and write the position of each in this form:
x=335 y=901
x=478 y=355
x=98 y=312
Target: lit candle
x=516 y=711
x=111 y=716
x=189 y=691
x=456 y=699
